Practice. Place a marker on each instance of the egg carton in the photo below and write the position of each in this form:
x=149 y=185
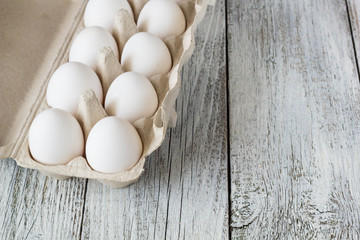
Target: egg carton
x=151 y=130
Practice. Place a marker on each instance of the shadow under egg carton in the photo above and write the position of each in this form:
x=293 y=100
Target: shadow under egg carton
x=151 y=130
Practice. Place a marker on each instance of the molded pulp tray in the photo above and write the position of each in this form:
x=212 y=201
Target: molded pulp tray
x=35 y=36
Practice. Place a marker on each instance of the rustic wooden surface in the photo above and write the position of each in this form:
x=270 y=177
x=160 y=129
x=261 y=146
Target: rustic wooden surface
x=266 y=145
x=294 y=120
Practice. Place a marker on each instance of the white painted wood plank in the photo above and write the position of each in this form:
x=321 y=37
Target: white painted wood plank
x=354 y=14
x=294 y=121
x=183 y=193
x=33 y=206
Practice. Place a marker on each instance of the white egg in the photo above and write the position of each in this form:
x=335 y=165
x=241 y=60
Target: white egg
x=87 y=44
x=55 y=137
x=162 y=18
x=102 y=12
x=113 y=146
x=67 y=84
x=131 y=96
x=146 y=54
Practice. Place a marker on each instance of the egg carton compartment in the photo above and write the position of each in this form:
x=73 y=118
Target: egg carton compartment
x=151 y=130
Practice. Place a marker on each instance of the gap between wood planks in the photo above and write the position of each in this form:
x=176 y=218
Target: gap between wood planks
x=83 y=209
x=228 y=119
x=352 y=37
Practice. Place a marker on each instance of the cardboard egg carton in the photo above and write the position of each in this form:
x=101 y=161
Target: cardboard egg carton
x=15 y=124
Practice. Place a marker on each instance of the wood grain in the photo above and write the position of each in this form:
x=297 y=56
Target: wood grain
x=294 y=121
x=33 y=206
x=183 y=193
x=354 y=17
x=294 y=101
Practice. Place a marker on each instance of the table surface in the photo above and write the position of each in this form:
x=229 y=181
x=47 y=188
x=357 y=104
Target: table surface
x=266 y=145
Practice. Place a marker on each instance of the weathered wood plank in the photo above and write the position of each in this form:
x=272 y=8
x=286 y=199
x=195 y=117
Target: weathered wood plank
x=354 y=15
x=183 y=193
x=294 y=121
x=33 y=206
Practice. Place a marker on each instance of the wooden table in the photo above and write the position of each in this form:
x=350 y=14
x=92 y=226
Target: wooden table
x=267 y=143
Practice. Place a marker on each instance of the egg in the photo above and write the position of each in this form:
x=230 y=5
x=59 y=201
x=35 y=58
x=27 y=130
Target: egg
x=146 y=54
x=113 y=145
x=87 y=44
x=68 y=82
x=55 y=137
x=131 y=96
x=162 y=18
x=102 y=12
